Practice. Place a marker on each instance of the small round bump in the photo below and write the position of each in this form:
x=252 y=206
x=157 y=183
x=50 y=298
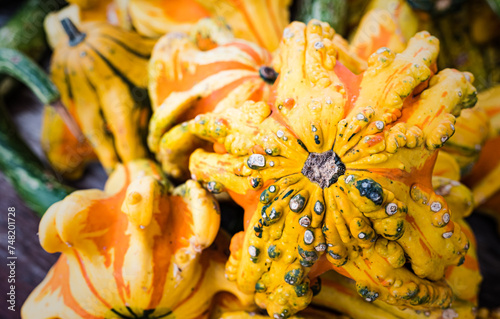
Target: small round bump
x=319 y=45
x=297 y=203
x=447 y=234
x=320 y=247
x=305 y=221
x=379 y=125
x=446 y=218
x=256 y=161
x=361 y=235
x=253 y=251
x=391 y=209
x=280 y=133
x=360 y=117
x=214 y=187
x=319 y=207
x=382 y=50
x=436 y=207
x=308 y=237
x=134 y=198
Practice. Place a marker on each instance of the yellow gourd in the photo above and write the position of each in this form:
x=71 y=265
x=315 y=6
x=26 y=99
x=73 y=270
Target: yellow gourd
x=101 y=73
x=139 y=248
x=339 y=166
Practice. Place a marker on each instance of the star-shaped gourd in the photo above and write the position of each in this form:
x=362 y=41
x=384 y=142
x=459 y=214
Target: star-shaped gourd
x=137 y=249
x=340 y=165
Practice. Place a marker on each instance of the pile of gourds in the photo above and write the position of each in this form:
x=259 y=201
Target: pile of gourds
x=346 y=157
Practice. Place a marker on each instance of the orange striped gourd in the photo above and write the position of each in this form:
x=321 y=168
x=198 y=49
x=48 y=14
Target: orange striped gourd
x=139 y=248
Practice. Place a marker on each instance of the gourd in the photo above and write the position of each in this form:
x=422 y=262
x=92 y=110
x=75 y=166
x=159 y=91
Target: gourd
x=101 y=73
x=139 y=248
x=261 y=22
x=336 y=174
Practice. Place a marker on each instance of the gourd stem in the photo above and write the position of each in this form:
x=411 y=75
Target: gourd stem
x=75 y=36
x=268 y=74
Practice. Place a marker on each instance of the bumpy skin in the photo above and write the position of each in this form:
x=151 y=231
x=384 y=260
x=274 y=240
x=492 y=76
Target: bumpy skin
x=463 y=280
x=340 y=166
x=103 y=82
x=186 y=79
x=261 y=22
x=347 y=301
x=133 y=250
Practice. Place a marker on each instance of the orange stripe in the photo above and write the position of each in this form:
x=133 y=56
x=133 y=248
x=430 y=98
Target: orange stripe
x=371 y=278
x=240 y=5
x=175 y=224
x=351 y=83
x=424 y=246
x=208 y=103
x=185 y=80
x=258 y=94
x=273 y=18
x=248 y=50
x=60 y=279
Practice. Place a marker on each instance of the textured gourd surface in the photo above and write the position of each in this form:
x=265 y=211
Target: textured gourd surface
x=134 y=249
x=103 y=84
x=336 y=173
